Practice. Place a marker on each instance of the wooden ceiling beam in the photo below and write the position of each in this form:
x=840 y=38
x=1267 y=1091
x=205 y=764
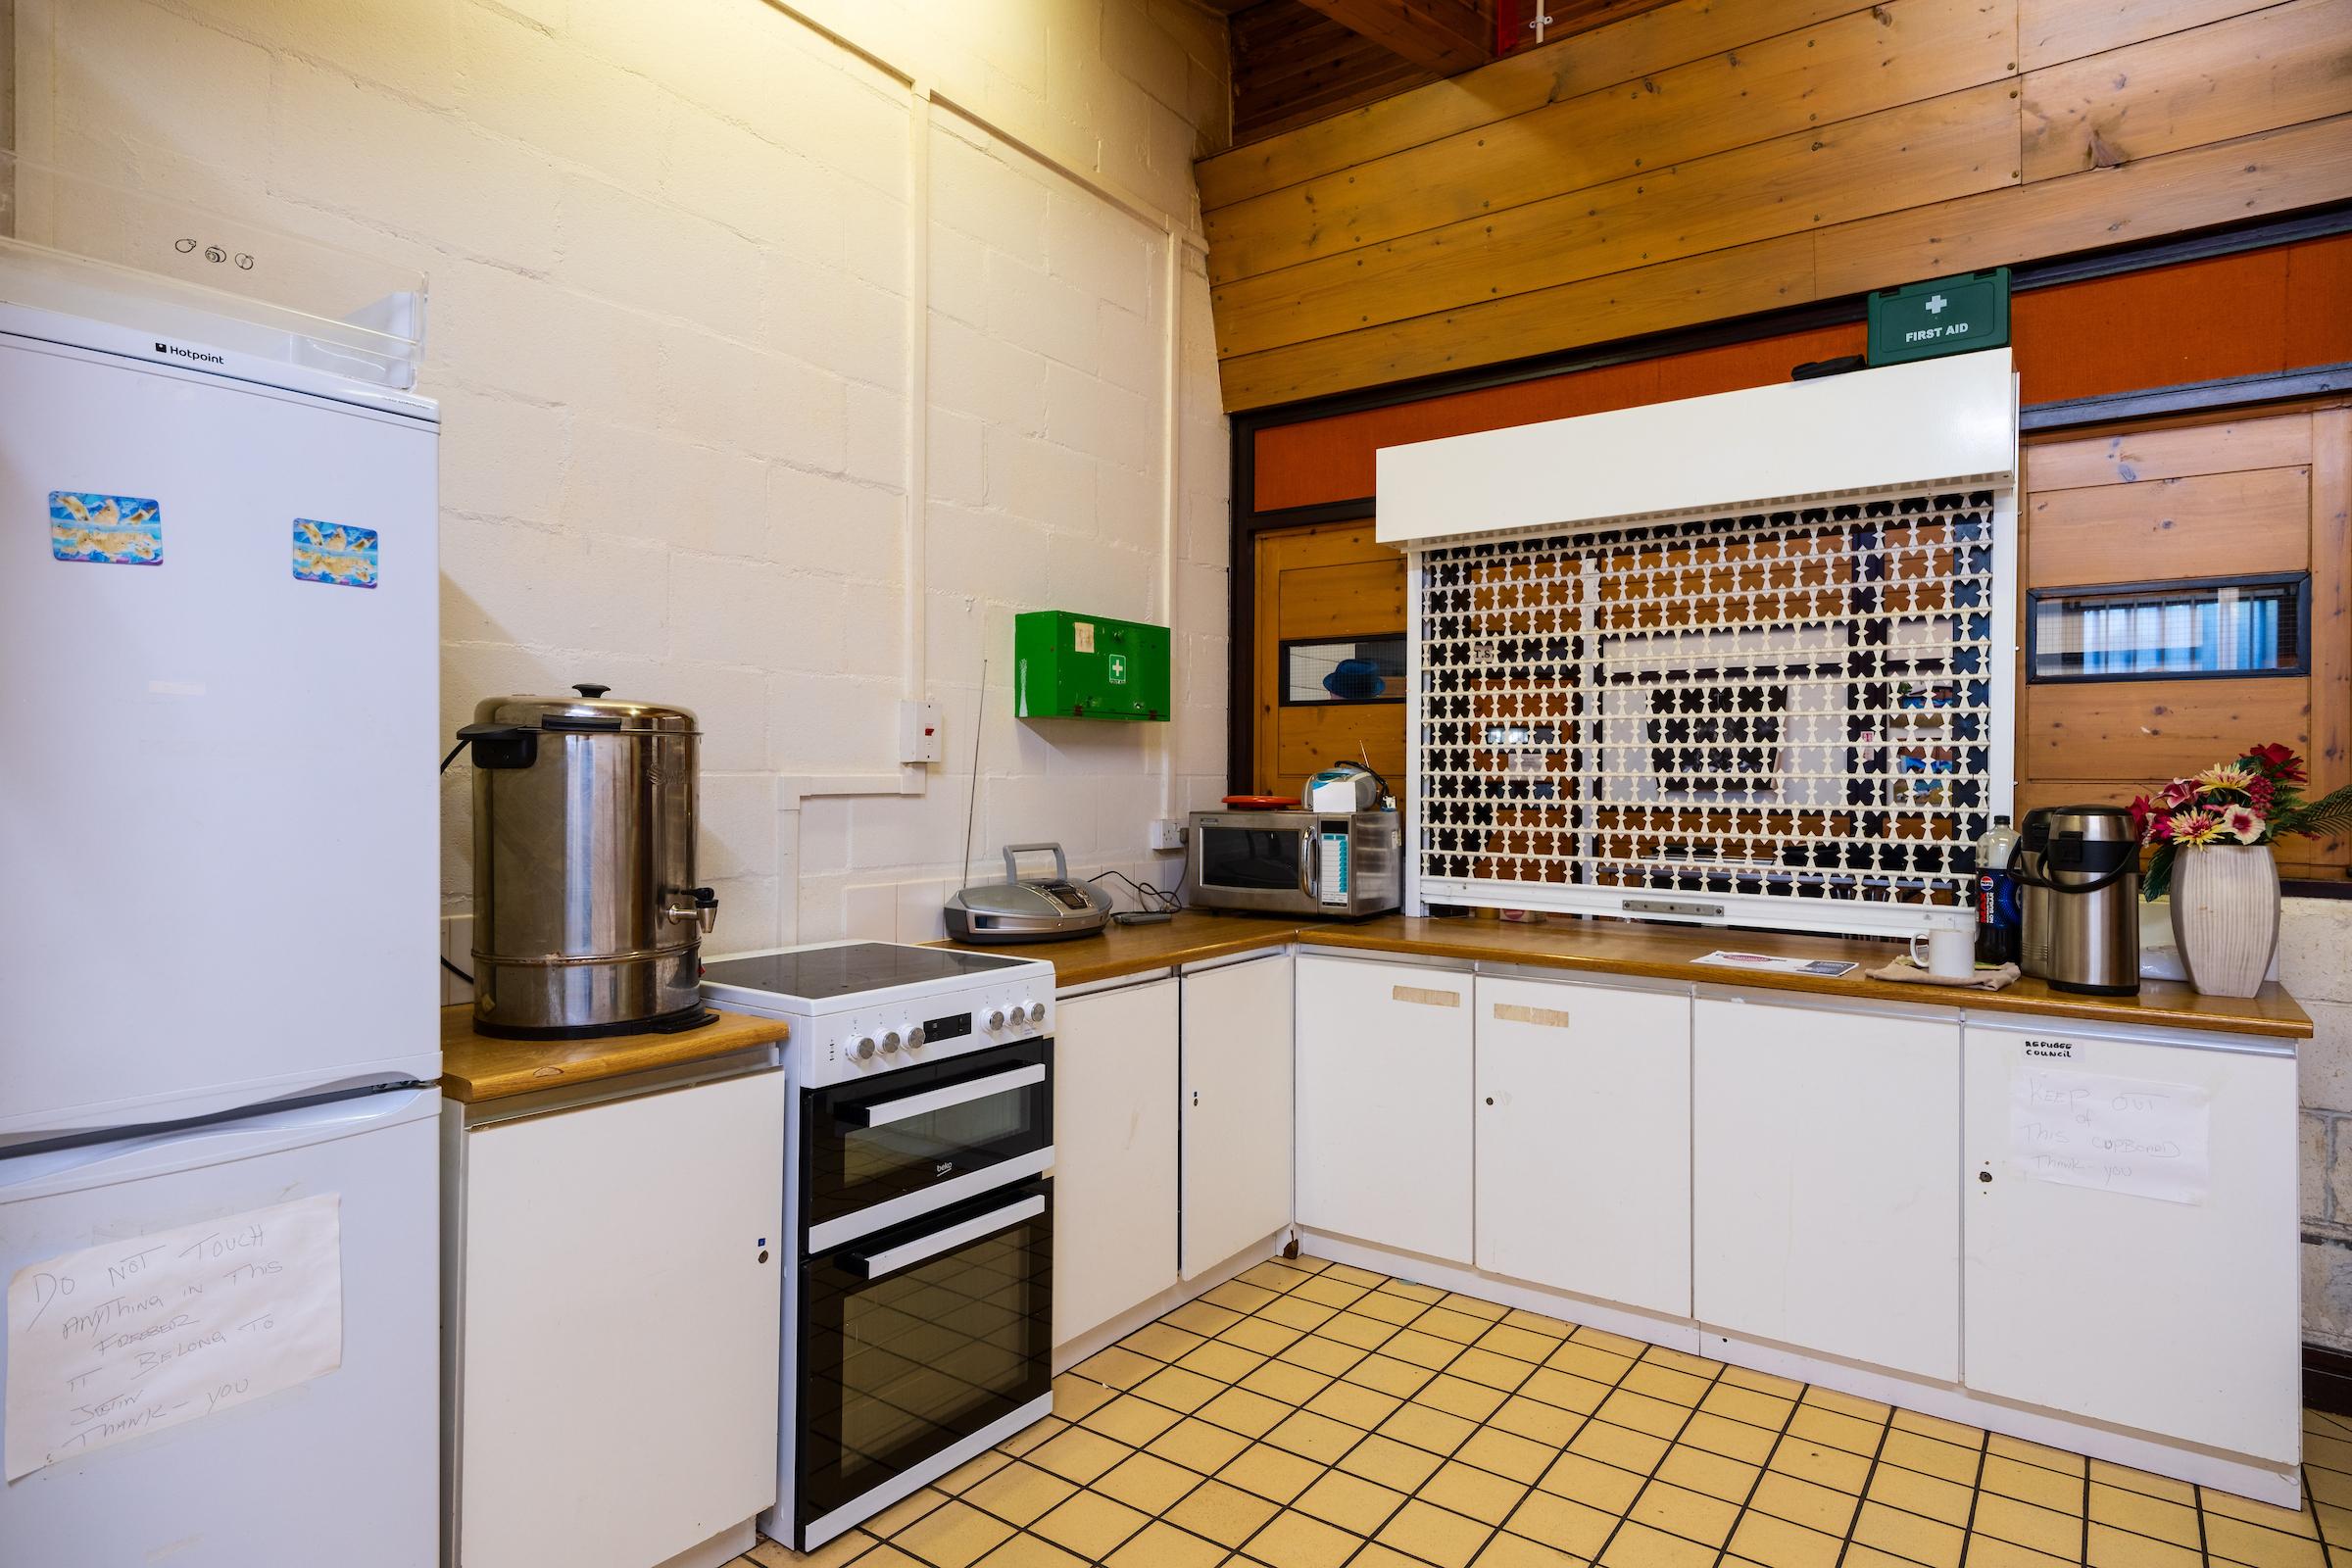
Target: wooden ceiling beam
x=1441 y=36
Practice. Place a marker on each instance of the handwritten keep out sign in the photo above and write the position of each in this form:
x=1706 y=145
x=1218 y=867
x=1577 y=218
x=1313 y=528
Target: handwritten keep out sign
x=138 y=1334
x=2119 y=1135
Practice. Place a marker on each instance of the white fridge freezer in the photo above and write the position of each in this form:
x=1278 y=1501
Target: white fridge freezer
x=218 y=815
x=340 y=1467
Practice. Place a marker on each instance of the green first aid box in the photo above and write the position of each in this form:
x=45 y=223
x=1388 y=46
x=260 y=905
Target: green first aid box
x=1068 y=666
x=1944 y=315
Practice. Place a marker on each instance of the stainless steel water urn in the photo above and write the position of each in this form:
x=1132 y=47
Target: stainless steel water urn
x=2077 y=871
x=587 y=916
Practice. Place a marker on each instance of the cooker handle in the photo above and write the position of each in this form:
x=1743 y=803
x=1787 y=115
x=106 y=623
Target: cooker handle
x=874 y=1265
x=882 y=1112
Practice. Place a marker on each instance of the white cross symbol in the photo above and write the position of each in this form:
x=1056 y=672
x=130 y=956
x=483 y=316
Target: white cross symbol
x=1935 y=304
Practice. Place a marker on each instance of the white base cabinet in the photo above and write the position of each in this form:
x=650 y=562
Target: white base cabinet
x=616 y=1325
x=1384 y=1122
x=1114 y=1153
x=1235 y=1108
x=2098 y=1294
x=1826 y=1179
x=1584 y=1140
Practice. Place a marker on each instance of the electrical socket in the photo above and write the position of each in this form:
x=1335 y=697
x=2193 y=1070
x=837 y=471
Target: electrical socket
x=1168 y=833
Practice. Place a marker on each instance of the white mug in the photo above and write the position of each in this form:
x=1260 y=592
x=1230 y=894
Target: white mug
x=1950 y=954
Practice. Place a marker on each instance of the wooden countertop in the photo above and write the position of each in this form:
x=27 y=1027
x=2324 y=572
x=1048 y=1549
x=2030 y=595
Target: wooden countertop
x=1194 y=936
x=1658 y=952
x=477 y=1067
x=1666 y=953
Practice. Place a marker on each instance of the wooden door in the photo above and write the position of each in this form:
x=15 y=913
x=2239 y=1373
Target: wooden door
x=1584 y=1140
x=1234 y=1112
x=1825 y=1147
x=2078 y=1286
x=2174 y=502
x=1114 y=1153
x=1384 y=1089
x=1321 y=586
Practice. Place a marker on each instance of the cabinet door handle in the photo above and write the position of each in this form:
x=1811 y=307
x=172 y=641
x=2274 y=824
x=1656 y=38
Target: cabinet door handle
x=1519 y=1012
x=1425 y=996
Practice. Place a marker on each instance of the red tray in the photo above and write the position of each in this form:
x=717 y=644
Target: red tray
x=1261 y=803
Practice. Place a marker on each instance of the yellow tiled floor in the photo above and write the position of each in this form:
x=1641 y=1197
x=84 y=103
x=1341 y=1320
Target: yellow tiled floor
x=1309 y=1415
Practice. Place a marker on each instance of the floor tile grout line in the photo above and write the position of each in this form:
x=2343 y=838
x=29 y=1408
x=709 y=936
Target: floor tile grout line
x=1764 y=1466
x=1853 y=1521
x=1646 y=1353
x=1651 y=1474
x=1363 y=1540
x=1975 y=1492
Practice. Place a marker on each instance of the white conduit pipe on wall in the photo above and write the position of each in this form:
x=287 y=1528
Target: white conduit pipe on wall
x=912 y=778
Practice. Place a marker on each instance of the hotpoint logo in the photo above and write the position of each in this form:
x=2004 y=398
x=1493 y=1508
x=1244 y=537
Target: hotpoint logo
x=198 y=355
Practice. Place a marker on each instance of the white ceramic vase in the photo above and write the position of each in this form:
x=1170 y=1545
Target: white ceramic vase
x=2225 y=915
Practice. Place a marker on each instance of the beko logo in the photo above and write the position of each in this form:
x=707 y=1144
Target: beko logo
x=197 y=355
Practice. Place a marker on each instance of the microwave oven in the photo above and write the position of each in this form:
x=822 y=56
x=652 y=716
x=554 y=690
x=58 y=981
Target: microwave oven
x=1345 y=865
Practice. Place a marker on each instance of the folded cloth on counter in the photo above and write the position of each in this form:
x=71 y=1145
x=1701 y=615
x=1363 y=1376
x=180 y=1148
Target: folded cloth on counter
x=1909 y=973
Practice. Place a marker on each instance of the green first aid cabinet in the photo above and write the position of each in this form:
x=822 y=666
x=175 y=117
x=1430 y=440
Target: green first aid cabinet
x=1068 y=666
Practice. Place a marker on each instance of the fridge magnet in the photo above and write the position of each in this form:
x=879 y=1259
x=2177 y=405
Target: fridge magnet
x=330 y=553
x=108 y=530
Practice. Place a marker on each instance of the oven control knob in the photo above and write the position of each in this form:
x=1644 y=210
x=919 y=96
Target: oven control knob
x=865 y=1048
x=915 y=1037
x=890 y=1043
x=995 y=1019
x=1036 y=1013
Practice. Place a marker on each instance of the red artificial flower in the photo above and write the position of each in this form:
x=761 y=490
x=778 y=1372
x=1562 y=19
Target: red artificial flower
x=2141 y=810
x=2279 y=762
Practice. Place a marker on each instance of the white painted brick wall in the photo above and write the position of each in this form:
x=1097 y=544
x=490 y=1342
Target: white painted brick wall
x=2315 y=935
x=668 y=247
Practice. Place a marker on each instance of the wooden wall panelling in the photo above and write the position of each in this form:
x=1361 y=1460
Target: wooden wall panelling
x=2259 y=71
x=1292 y=66
x=2331 y=612
x=1851 y=65
x=1746 y=282
x=2049 y=32
x=2243 y=312
x=2202 y=525
x=1445 y=36
x=2173 y=452
x=1944 y=147
x=1328 y=580
x=1623 y=51
x=2155 y=729
x=1415 y=226
x=2277 y=172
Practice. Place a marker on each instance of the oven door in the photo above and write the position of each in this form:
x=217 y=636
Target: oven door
x=916 y=1339
x=888 y=1149
x=1254 y=861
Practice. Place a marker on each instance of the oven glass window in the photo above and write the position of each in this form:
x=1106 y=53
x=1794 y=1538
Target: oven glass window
x=854 y=1167
x=1264 y=858
x=897 y=1368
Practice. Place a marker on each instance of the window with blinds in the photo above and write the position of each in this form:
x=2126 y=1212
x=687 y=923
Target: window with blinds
x=1794 y=718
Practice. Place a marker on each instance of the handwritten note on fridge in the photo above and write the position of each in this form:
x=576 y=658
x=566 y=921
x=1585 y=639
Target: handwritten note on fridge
x=145 y=1333
x=2121 y=1135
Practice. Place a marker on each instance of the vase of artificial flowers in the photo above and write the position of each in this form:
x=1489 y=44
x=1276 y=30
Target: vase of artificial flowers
x=2209 y=840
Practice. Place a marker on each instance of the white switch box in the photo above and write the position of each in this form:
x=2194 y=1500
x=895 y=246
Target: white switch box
x=1168 y=833
x=919 y=732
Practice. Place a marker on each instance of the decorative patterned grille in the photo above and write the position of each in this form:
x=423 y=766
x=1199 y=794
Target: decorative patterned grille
x=1793 y=704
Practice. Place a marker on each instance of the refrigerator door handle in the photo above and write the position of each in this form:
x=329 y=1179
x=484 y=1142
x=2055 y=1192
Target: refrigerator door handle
x=157 y=1154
